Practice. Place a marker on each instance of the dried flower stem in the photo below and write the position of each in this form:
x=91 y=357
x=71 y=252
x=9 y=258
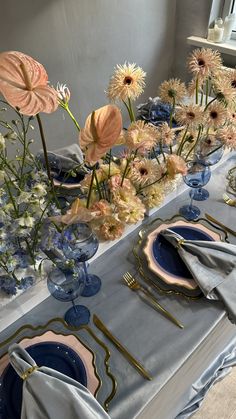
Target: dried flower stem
x=91 y=187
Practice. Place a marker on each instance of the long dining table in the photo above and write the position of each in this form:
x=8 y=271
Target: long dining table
x=178 y=359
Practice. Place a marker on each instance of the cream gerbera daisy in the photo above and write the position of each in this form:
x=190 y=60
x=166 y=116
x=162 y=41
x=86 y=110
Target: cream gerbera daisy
x=228 y=136
x=216 y=114
x=141 y=136
x=166 y=134
x=191 y=115
x=231 y=76
x=172 y=90
x=144 y=171
x=204 y=62
x=126 y=83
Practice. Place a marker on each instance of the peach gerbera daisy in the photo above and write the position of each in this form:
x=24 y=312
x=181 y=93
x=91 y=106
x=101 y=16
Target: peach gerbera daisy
x=172 y=90
x=166 y=134
x=204 y=62
x=228 y=136
x=144 y=171
x=216 y=114
x=191 y=115
x=140 y=136
x=127 y=82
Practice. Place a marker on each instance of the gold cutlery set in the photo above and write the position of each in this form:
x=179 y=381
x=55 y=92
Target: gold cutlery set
x=146 y=295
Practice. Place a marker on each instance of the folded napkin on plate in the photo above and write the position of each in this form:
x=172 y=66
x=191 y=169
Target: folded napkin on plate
x=213 y=267
x=68 y=157
x=49 y=394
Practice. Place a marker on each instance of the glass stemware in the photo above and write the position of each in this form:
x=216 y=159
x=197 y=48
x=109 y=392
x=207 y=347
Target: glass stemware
x=65 y=283
x=197 y=176
x=208 y=152
x=80 y=243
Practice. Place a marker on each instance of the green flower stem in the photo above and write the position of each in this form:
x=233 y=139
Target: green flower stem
x=211 y=101
x=90 y=188
x=128 y=109
x=12 y=198
x=155 y=154
x=213 y=151
x=150 y=184
x=67 y=109
x=195 y=144
x=172 y=112
x=125 y=171
x=131 y=110
x=161 y=150
x=97 y=184
x=109 y=168
x=182 y=142
x=196 y=97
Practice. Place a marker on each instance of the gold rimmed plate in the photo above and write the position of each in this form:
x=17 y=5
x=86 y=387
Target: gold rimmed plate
x=158 y=262
x=93 y=353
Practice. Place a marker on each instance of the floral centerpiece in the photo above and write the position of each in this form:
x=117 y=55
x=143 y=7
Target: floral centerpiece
x=117 y=189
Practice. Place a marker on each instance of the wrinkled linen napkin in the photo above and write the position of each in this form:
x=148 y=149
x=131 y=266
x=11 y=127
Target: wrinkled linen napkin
x=68 y=157
x=49 y=394
x=213 y=267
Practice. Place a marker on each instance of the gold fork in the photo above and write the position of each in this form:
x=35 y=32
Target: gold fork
x=134 y=285
x=229 y=201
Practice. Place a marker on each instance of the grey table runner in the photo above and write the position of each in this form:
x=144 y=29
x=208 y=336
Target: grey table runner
x=160 y=346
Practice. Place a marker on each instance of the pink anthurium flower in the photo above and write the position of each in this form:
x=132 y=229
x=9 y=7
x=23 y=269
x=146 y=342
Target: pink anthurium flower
x=24 y=84
x=101 y=131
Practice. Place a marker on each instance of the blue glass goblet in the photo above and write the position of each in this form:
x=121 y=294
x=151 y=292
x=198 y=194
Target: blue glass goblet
x=208 y=152
x=197 y=176
x=65 y=283
x=80 y=243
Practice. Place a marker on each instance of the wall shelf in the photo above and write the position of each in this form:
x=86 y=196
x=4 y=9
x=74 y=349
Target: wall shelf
x=228 y=47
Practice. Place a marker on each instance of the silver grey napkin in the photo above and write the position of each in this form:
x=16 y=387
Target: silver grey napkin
x=68 y=157
x=48 y=394
x=213 y=267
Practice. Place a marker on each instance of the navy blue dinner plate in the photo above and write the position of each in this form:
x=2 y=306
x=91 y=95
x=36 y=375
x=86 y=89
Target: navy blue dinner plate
x=49 y=354
x=167 y=257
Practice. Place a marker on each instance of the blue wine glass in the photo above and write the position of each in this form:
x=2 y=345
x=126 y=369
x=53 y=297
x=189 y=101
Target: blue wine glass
x=65 y=283
x=80 y=243
x=197 y=176
x=208 y=152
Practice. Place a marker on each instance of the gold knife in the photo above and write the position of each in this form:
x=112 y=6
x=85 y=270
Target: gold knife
x=121 y=348
x=213 y=220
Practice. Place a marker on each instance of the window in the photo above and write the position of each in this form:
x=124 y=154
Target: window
x=230 y=7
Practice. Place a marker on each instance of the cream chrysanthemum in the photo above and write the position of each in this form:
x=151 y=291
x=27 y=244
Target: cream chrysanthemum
x=216 y=114
x=172 y=90
x=166 y=134
x=144 y=171
x=228 y=136
x=111 y=228
x=127 y=82
x=204 y=62
x=141 y=136
x=191 y=115
x=153 y=195
x=131 y=210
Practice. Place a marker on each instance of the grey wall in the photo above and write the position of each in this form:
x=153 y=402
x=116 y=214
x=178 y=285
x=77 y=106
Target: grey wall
x=193 y=18
x=80 y=41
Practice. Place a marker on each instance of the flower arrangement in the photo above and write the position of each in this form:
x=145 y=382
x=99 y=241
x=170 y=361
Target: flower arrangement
x=116 y=190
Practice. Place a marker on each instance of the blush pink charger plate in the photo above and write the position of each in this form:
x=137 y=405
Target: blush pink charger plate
x=153 y=265
x=69 y=340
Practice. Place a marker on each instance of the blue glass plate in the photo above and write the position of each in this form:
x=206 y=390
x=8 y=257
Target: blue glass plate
x=167 y=257
x=49 y=354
